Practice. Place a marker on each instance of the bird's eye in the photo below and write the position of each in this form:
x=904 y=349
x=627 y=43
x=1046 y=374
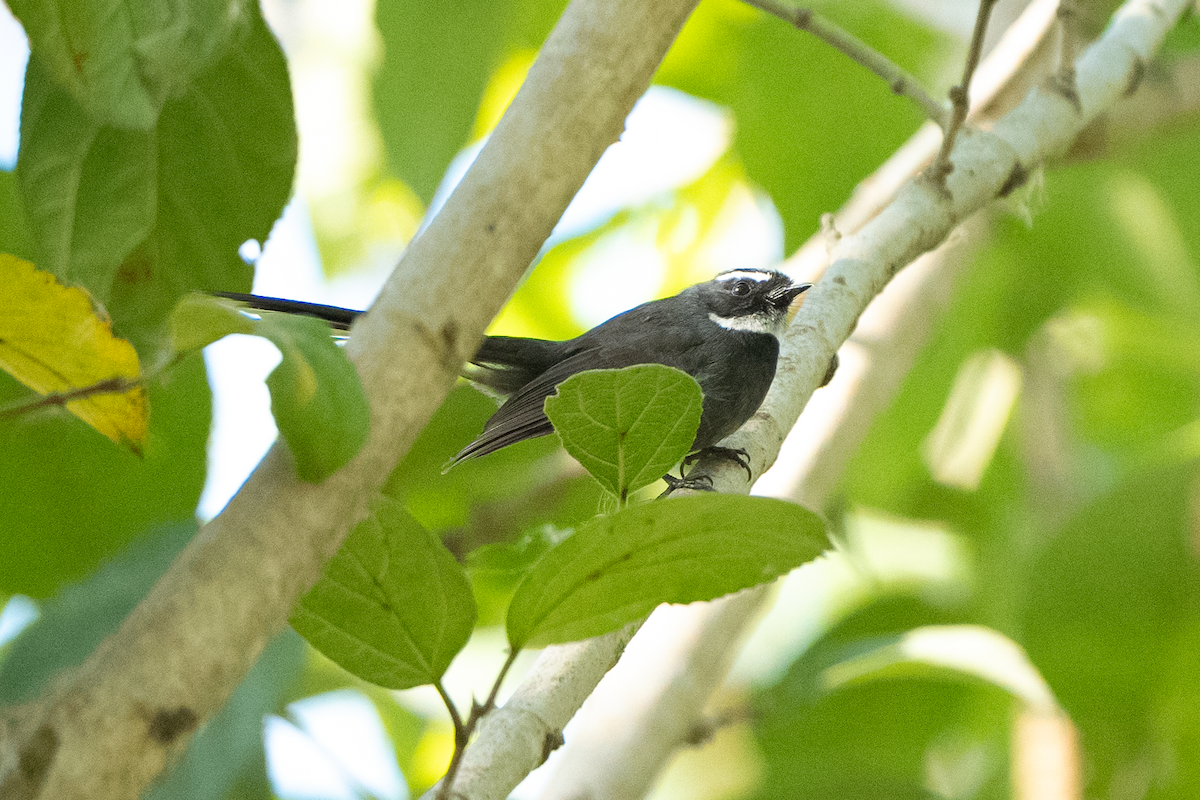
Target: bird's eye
x=740 y=288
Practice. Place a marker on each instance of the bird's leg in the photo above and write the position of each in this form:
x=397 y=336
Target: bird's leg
x=735 y=454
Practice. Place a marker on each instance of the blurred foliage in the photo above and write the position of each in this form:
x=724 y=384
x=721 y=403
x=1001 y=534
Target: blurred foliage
x=1079 y=542
x=1085 y=531
x=71 y=498
x=794 y=97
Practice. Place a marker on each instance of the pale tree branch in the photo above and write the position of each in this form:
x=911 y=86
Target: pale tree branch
x=108 y=728
x=623 y=765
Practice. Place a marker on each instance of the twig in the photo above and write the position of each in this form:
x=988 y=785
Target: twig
x=490 y=703
x=900 y=82
x=960 y=100
x=117 y=385
x=462 y=735
x=462 y=732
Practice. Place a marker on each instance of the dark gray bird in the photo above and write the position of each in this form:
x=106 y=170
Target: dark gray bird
x=724 y=333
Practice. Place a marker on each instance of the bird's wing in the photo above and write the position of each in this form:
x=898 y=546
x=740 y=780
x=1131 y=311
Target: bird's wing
x=523 y=415
x=506 y=363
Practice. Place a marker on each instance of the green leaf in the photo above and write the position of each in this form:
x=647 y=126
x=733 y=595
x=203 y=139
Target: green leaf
x=198 y=320
x=316 y=396
x=394 y=607
x=627 y=427
x=616 y=569
x=127 y=212
x=15 y=236
x=120 y=61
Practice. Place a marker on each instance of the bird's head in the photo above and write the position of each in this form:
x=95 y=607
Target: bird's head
x=750 y=300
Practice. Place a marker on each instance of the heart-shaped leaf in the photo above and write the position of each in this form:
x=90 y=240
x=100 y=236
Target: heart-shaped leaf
x=627 y=427
x=393 y=607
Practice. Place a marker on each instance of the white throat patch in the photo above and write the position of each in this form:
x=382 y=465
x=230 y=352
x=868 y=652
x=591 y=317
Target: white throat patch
x=745 y=274
x=762 y=322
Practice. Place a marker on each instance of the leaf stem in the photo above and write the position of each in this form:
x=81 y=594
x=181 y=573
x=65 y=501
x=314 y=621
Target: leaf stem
x=490 y=703
x=115 y=385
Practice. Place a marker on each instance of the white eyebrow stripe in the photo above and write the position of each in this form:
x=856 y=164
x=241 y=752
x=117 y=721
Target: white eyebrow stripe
x=737 y=274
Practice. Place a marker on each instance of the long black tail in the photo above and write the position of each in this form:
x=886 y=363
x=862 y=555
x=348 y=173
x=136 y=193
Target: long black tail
x=337 y=317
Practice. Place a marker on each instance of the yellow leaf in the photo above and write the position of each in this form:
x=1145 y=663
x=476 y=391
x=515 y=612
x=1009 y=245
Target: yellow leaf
x=53 y=340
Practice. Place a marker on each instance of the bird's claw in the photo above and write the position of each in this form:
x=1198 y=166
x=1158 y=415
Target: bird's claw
x=703 y=483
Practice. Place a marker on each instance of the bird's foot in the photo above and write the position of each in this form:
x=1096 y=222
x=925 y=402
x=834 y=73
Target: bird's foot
x=701 y=483
x=735 y=454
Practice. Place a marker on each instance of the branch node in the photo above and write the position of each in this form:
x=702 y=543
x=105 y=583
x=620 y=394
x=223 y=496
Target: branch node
x=553 y=741
x=1015 y=180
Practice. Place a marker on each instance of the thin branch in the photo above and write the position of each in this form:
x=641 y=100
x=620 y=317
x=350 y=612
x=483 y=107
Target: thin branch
x=462 y=733
x=900 y=82
x=960 y=100
x=117 y=385
x=490 y=703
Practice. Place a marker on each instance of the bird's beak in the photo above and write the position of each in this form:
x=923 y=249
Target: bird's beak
x=783 y=297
